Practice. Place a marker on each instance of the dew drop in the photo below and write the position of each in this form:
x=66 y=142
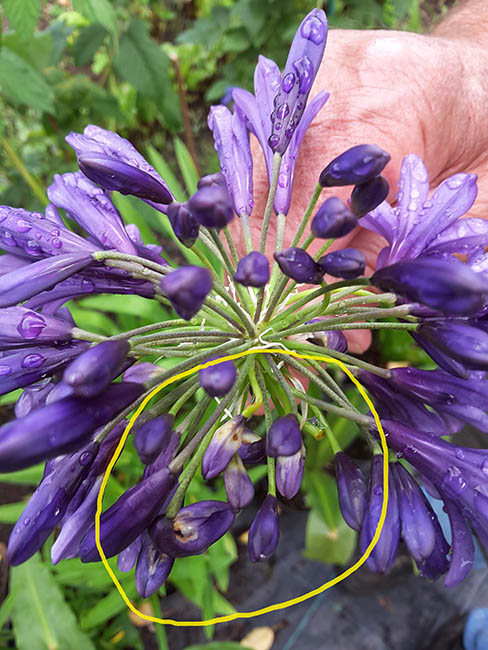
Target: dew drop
x=57 y=243
x=23 y=226
x=288 y=82
x=5 y=370
x=31 y=325
x=32 y=361
x=313 y=29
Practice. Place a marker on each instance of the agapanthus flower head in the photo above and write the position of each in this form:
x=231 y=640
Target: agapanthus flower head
x=253 y=270
x=347 y=263
x=299 y=265
x=217 y=380
x=333 y=219
x=186 y=289
x=264 y=533
x=369 y=195
x=355 y=166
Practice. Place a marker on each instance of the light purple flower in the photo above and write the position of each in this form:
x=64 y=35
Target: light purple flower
x=21 y=326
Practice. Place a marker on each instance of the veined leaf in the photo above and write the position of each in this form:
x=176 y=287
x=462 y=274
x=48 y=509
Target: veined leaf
x=42 y=619
x=21 y=84
x=109 y=606
x=27 y=476
x=10 y=512
x=187 y=166
x=97 y=11
x=22 y=15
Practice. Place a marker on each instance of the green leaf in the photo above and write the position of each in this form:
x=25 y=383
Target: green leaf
x=10 y=398
x=98 y=11
x=187 y=166
x=327 y=536
x=110 y=605
x=165 y=171
x=37 y=51
x=21 y=84
x=10 y=512
x=41 y=617
x=6 y=608
x=148 y=310
x=87 y=43
x=128 y=207
x=28 y=476
x=22 y=15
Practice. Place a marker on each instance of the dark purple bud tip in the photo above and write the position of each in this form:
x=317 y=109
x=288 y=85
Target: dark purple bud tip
x=459 y=340
x=253 y=270
x=332 y=339
x=186 y=289
x=184 y=224
x=224 y=444
x=298 y=265
x=212 y=206
x=152 y=568
x=152 y=437
x=113 y=174
x=94 y=369
x=253 y=449
x=355 y=166
x=238 y=486
x=218 y=380
x=352 y=490
x=264 y=532
x=347 y=263
x=333 y=219
x=369 y=195
x=211 y=180
x=193 y=530
x=289 y=473
x=284 y=437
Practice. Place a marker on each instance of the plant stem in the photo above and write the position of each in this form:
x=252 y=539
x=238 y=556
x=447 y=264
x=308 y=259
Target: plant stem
x=32 y=182
x=268 y=210
x=278 y=375
x=246 y=230
x=336 y=410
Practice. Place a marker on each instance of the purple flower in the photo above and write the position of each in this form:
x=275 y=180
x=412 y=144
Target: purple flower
x=333 y=220
x=211 y=206
x=299 y=265
x=351 y=487
x=444 y=284
x=21 y=326
x=186 y=289
x=264 y=533
x=29 y=280
x=193 y=530
x=238 y=485
x=289 y=473
x=126 y=559
x=253 y=449
x=60 y=427
x=33 y=397
x=232 y=144
x=446 y=336
x=331 y=339
x=113 y=162
x=142 y=372
x=25 y=366
x=89 y=206
x=347 y=263
x=369 y=195
x=129 y=516
x=91 y=372
x=302 y=65
x=253 y=270
x=223 y=445
x=284 y=437
x=210 y=180
x=184 y=224
x=355 y=166
x=423 y=226
x=31 y=235
x=384 y=553
x=152 y=437
x=217 y=380
x=152 y=568
x=48 y=504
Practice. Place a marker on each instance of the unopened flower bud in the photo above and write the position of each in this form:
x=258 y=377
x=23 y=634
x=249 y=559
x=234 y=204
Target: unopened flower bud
x=253 y=270
x=355 y=166
x=217 y=380
x=186 y=289
x=289 y=473
x=332 y=339
x=184 y=224
x=238 y=485
x=93 y=370
x=369 y=195
x=253 y=449
x=347 y=263
x=298 y=265
x=152 y=437
x=284 y=437
x=264 y=532
x=352 y=491
x=152 y=568
x=333 y=220
x=223 y=445
x=212 y=206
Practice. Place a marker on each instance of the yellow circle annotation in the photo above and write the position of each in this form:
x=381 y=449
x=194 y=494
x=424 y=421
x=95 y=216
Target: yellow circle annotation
x=277 y=606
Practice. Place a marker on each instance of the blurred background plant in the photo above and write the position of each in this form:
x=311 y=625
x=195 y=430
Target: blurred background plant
x=148 y=69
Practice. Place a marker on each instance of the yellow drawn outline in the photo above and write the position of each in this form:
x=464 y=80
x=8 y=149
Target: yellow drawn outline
x=270 y=608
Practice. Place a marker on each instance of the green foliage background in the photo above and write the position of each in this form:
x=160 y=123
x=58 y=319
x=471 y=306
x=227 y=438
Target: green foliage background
x=126 y=65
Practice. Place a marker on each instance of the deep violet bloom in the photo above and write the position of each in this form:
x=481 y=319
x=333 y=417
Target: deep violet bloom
x=60 y=427
x=264 y=532
x=33 y=397
x=129 y=516
x=301 y=68
x=184 y=224
x=211 y=179
x=333 y=220
x=142 y=372
x=225 y=442
x=152 y=437
x=355 y=166
x=298 y=265
x=347 y=263
x=459 y=340
x=253 y=449
x=289 y=473
x=369 y=195
x=186 y=289
x=217 y=380
x=193 y=530
x=252 y=270
x=238 y=486
x=422 y=226
x=21 y=326
x=126 y=559
x=284 y=437
x=352 y=491
x=152 y=568
x=90 y=206
x=114 y=163
x=444 y=284
x=231 y=139
x=332 y=339
x=211 y=206
x=91 y=372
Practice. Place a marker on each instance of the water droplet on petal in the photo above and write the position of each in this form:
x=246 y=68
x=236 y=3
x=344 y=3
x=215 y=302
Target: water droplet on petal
x=313 y=29
x=5 y=370
x=31 y=325
x=32 y=361
x=57 y=243
x=288 y=82
x=23 y=226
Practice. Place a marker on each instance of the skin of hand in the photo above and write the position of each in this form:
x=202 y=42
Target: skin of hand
x=405 y=92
